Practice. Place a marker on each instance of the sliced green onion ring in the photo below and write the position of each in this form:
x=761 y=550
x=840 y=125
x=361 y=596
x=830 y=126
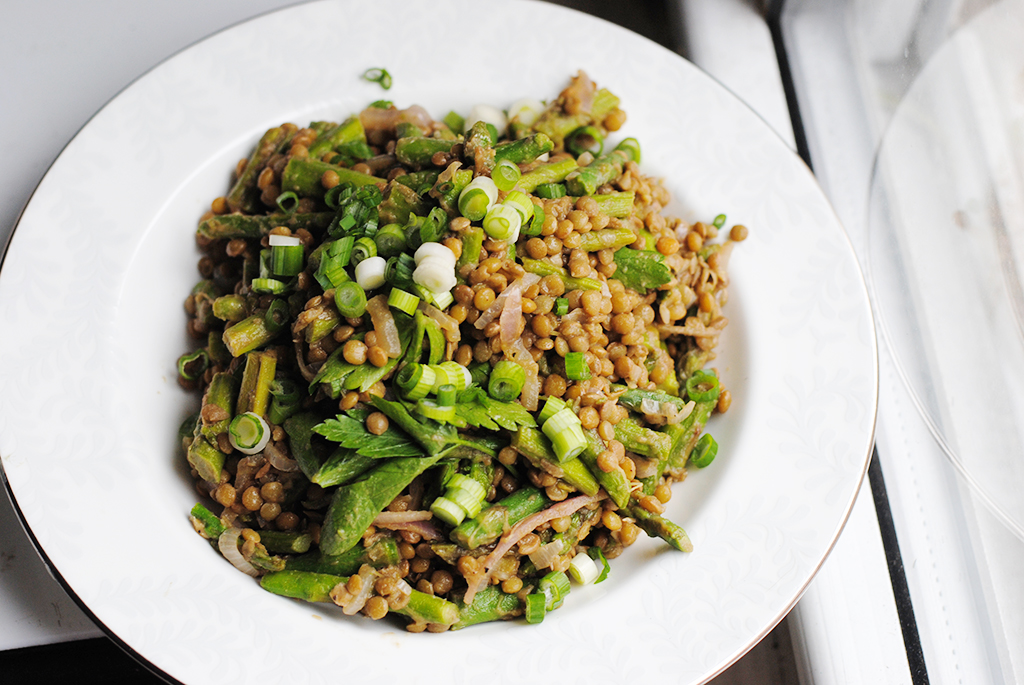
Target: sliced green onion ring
x=266 y=286
x=702 y=386
x=585 y=139
x=566 y=434
x=193 y=365
x=416 y=380
x=561 y=306
x=576 y=366
x=350 y=299
x=506 y=381
x=276 y=316
x=378 y=75
x=248 y=433
x=503 y=222
x=596 y=554
x=551 y=407
x=506 y=174
x=522 y=202
x=630 y=146
x=536 y=226
x=430 y=409
x=403 y=301
x=535 y=607
x=583 y=570
x=550 y=191
x=363 y=249
x=704 y=452
x=446 y=395
x=448 y=511
x=287 y=201
x=390 y=240
x=286 y=260
x=719 y=221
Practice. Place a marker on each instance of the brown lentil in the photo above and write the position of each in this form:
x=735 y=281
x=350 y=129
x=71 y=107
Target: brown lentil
x=737 y=233
x=355 y=352
x=376 y=608
x=377 y=422
x=377 y=356
x=724 y=401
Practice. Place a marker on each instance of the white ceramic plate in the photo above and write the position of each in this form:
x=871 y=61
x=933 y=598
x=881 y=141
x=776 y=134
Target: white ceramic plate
x=90 y=300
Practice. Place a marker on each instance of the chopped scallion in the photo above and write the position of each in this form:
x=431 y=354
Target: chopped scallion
x=446 y=395
x=576 y=366
x=597 y=555
x=503 y=222
x=522 y=202
x=193 y=365
x=442 y=300
x=585 y=139
x=416 y=380
x=377 y=75
x=364 y=248
x=583 y=569
x=550 y=191
x=286 y=260
x=430 y=409
x=370 y=273
x=403 y=301
x=265 y=286
x=248 y=433
x=448 y=511
x=702 y=386
x=551 y=406
x=276 y=316
x=566 y=434
x=455 y=121
x=477 y=197
x=631 y=146
x=506 y=174
x=536 y=225
x=704 y=452
x=719 y=221
x=350 y=299
x=287 y=202
x=561 y=306
x=535 y=607
x=506 y=381
x=390 y=240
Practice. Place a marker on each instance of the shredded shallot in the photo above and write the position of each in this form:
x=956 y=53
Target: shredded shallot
x=227 y=543
x=390 y=518
x=279 y=460
x=353 y=606
x=520 y=284
x=546 y=554
x=377 y=119
x=511 y=316
x=384 y=325
x=527 y=525
x=448 y=323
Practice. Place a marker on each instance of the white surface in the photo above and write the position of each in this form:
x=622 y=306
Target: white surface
x=760 y=550
x=962 y=566
x=837 y=636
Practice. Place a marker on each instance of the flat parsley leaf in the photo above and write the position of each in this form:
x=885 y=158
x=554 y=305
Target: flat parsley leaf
x=350 y=431
x=476 y=408
x=641 y=269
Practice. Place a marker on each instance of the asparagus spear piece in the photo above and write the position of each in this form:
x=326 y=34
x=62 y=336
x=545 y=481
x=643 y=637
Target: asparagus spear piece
x=254 y=393
x=656 y=525
x=244 y=195
x=685 y=434
x=310 y=587
x=228 y=226
x=343 y=466
x=247 y=335
x=424 y=608
x=383 y=552
x=355 y=505
x=606 y=238
x=604 y=169
x=615 y=204
x=400 y=202
x=283 y=542
x=557 y=124
x=545 y=268
x=450 y=183
x=206 y=522
x=490 y=523
x=523 y=150
x=302 y=176
x=417 y=151
x=346 y=132
x=490 y=604
x=534 y=445
x=614 y=482
x=552 y=172
x=635 y=438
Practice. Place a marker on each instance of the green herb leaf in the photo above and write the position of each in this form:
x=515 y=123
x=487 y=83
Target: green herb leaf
x=641 y=269
x=476 y=408
x=350 y=431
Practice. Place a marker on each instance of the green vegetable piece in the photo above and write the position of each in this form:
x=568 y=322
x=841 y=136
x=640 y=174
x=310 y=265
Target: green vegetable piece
x=641 y=269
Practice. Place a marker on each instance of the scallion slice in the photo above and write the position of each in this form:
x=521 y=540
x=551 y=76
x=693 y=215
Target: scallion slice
x=265 y=286
x=458 y=375
x=704 y=452
x=597 y=555
x=506 y=381
x=719 y=221
x=390 y=240
x=551 y=406
x=477 y=197
x=276 y=316
x=536 y=224
x=467 y=500
x=248 y=433
x=522 y=202
x=535 y=607
x=448 y=511
x=286 y=260
x=550 y=191
x=442 y=300
x=416 y=380
x=585 y=139
x=702 y=386
x=461 y=482
x=430 y=409
x=505 y=174
x=566 y=434
x=363 y=249
x=576 y=366
x=275 y=240
x=446 y=395
x=631 y=146
x=193 y=365
x=403 y=301
x=370 y=273
x=583 y=570
x=503 y=222
x=287 y=202
x=350 y=299
x=378 y=75
x=455 y=121
x=561 y=306
x=285 y=400
x=555 y=586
